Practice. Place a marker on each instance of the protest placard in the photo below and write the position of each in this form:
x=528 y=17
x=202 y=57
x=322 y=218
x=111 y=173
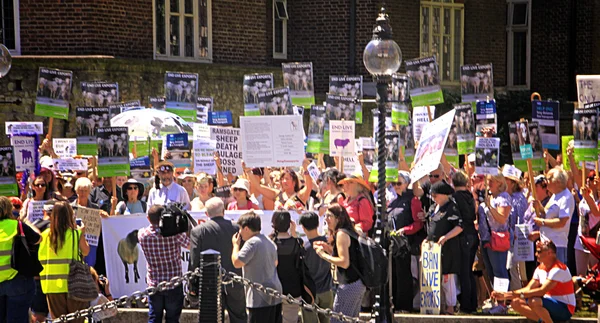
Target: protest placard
x=524 y=140
x=253 y=85
x=487 y=155
x=420 y=118
x=351 y=86
x=99 y=94
x=117 y=108
x=92 y=221
x=181 y=90
x=229 y=149
x=588 y=89
x=35 y=210
x=523 y=246
x=15 y=128
x=275 y=141
x=341 y=138
x=26 y=152
x=313 y=171
x=273 y=102
x=486 y=116
x=431 y=146
x=465 y=128
x=88 y=120
x=316 y=129
x=424 y=81
x=400 y=98
x=140 y=169
x=477 y=82
x=204 y=106
x=200 y=130
x=298 y=77
x=585 y=133
x=340 y=107
x=431 y=278
x=71 y=164
x=204 y=151
x=537 y=160
x=64 y=147
x=157 y=102
x=451 y=151
x=53 y=94
x=368 y=151
x=546 y=114
x=176 y=149
x=220 y=118
x=8 y=182
x=113 y=151
x=501 y=284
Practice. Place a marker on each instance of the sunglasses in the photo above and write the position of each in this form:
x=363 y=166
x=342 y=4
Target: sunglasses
x=237 y=189
x=398 y=183
x=131 y=188
x=434 y=176
x=165 y=169
x=39 y=185
x=187 y=181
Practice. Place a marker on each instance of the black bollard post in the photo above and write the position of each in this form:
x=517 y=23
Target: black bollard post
x=209 y=290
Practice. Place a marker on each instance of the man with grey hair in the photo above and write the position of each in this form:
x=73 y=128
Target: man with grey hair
x=554 y=219
x=216 y=234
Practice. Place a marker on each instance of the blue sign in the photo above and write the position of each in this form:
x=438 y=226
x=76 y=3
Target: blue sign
x=177 y=140
x=486 y=107
x=140 y=162
x=220 y=118
x=546 y=113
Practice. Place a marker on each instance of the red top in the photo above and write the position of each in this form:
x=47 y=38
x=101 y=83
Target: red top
x=360 y=210
x=415 y=207
x=233 y=206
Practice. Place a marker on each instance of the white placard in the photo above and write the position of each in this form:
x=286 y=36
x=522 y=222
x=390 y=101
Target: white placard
x=524 y=250
x=431 y=278
x=313 y=171
x=229 y=148
x=25 y=152
x=14 y=128
x=341 y=138
x=272 y=141
x=201 y=130
x=204 y=150
x=501 y=284
x=71 y=164
x=65 y=147
x=93 y=223
x=487 y=155
x=420 y=119
x=588 y=89
x=35 y=210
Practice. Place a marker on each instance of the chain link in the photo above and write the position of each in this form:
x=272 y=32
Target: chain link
x=227 y=278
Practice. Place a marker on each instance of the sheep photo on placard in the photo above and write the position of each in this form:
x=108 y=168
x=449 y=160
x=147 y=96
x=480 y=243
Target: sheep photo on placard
x=53 y=85
x=99 y=94
x=255 y=84
x=298 y=77
x=340 y=107
x=476 y=82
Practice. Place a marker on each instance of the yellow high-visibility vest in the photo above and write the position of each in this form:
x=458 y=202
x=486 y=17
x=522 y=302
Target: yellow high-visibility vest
x=8 y=231
x=56 y=264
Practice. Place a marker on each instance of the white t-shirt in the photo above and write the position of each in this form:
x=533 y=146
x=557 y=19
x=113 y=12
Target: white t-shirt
x=584 y=209
x=560 y=205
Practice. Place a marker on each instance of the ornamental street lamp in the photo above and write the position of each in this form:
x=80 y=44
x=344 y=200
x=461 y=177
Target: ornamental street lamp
x=382 y=58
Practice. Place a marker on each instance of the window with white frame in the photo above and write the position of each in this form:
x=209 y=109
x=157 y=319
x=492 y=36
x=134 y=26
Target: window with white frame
x=442 y=35
x=9 y=34
x=182 y=30
x=280 y=18
x=518 y=28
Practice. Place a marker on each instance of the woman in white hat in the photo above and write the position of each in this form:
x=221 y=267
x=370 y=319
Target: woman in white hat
x=241 y=194
x=188 y=181
x=517 y=212
x=132 y=204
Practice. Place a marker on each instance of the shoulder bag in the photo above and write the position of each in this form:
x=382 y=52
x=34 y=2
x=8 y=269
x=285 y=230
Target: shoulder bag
x=81 y=284
x=499 y=240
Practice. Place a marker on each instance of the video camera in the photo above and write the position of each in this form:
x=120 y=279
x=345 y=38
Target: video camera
x=175 y=220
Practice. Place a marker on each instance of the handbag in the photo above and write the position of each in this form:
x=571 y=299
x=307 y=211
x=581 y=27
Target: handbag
x=499 y=240
x=22 y=258
x=80 y=283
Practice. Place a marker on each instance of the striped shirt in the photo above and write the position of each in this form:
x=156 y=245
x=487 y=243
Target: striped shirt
x=563 y=291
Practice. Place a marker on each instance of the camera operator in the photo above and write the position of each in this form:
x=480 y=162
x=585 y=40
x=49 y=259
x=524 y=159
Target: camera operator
x=165 y=189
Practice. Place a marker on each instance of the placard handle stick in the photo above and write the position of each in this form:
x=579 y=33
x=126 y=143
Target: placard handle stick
x=535 y=94
x=429 y=113
x=114 y=186
x=341 y=154
x=50 y=126
x=95 y=166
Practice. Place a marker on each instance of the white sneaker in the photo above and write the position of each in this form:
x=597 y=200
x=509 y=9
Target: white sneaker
x=487 y=306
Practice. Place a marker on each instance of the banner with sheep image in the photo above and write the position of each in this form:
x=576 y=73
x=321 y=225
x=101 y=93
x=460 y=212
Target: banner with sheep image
x=351 y=86
x=99 y=94
x=8 y=181
x=53 y=93
x=87 y=121
x=275 y=102
x=341 y=138
x=157 y=102
x=424 y=81
x=400 y=98
x=181 y=91
x=253 y=85
x=316 y=129
x=465 y=128
x=113 y=151
x=476 y=82
x=298 y=77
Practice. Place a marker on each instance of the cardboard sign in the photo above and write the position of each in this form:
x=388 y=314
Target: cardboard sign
x=588 y=89
x=341 y=138
x=204 y=151
x=26 y=155
x=70 y=164
x=35 y=210
x=15 y=128
x=65 y=147
x=93 y=223
x=229 y=148
x=585 y=133
x=477 y=82
x=99 y=93
x=431 y=278
x=546 y=114
x=487 y=155
x=424 y=81
x=524 y=250
x=486 y=115
x=113 y=151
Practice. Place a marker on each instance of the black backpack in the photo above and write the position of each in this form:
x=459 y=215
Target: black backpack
x=372 y=263
x=309 y=288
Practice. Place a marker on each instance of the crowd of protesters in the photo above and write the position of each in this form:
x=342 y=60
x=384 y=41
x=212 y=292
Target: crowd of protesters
x=472 y=216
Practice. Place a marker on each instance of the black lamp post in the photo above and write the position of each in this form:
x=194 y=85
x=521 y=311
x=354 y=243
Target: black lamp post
x=382 y=58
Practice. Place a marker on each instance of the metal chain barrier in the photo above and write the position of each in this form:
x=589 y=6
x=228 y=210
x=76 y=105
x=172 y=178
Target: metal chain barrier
x=228 y=278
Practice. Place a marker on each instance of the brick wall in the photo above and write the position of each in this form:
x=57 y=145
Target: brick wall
x=80 y=27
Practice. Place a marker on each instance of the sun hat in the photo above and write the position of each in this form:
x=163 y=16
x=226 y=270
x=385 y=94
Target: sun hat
x=355 y=178
x=162 y=166
x=511 y=172
x=243 y=184
x=130 y=182
x=186 y=173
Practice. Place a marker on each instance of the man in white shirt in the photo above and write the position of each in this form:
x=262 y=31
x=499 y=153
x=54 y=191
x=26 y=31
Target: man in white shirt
x=168 y=191
x=554 y=219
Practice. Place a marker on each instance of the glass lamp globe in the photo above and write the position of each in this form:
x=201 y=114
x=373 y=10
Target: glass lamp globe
x=5 y=61
x=382 y=57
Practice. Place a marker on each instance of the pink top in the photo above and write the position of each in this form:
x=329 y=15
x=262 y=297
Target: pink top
x=233 y=206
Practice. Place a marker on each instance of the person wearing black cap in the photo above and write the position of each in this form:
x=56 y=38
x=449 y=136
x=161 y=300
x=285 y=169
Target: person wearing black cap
x=443 y=225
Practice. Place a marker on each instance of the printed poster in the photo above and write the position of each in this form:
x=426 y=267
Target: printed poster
x=181 y=90
x=157 y=102
x=524 y=140
x=99 y=94
x=93 y=223
x=431 y=278
x=253 y=85
x=368 y=150
x=464 y=121
x=546 y=114
x=424 y=81
x=35 y=210
x=487 y=155
x=536 y=146
x=65 y=147
x=87 y=121
x=588 y=89
x=340 y=107
x=276 y=141
x=351 y=86
x=407 y=142
x=53 y=94
x=316 y=129
x=176 y=149
x=431 y=146
x=220 y=118
x=451 y=150
x=120 y=107
x=204 y=106
x=523 y=246
x=275 y=102
x=8 y=182
x=298 y=77
x=229 y=149
x=420 y=119
x=15 y=128
x=341 y=138
x=26 y=153
x=486 y=116
x=140 y=170
x=70 y=164
x=476 y=82
x=204 y=160
x=113 y=151
x=537 y=160
x=400 y=98
x=585 y=134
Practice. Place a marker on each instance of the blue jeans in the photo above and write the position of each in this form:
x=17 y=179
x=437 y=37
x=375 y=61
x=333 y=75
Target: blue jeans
x=561 y=254
x=16 y=296
x=495 y=263
x=170 y=301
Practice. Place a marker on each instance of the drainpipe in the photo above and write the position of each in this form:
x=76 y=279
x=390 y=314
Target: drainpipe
x=572 y=51
x=352 y=39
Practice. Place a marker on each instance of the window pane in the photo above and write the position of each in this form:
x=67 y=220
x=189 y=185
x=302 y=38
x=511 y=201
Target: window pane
x=278 y=36
x=447 y=22
x=189 y=6
x=203 y=25
x=520 y=14
x=457 y=43
x=189 y=36
x=174 y=25
x=436 y=20
x=160 y=27
x=445 y=64
x=435 y=46
x=425 y=31
x=174 y=6
x=8 y=24
x=520 y=58
x=281 y=10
